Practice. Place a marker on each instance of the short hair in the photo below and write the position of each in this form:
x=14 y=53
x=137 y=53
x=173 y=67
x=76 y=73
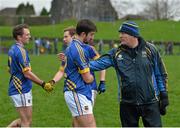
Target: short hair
x=86 y=26
x=18 y=30
x=71 y=29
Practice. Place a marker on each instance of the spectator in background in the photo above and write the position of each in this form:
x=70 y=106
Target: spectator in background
x=111 y=44
x=100 y=46
x=168 y=48
x=48 y=46
x=37 y=43
x=55 y=45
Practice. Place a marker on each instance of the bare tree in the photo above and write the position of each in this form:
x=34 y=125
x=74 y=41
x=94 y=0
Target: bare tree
x=123 y=7
x=161 y=9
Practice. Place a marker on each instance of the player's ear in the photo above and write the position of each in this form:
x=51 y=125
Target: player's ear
x=83 y=34
x=19 y=37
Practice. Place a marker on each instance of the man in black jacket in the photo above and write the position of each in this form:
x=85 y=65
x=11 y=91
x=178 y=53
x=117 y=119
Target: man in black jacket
x=142 y=78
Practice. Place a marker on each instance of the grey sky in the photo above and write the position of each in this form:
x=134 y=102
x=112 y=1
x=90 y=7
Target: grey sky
x=39 y=4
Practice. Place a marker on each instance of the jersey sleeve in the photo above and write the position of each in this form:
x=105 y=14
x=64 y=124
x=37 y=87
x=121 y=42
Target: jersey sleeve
x=79 y=58
x=93 y=53
x=24 y=60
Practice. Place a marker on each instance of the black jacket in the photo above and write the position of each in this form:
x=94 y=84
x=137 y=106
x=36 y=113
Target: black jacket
x=134 y=71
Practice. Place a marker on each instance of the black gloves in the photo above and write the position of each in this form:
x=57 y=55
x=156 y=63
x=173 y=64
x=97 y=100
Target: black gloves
x=163 y=102
x=101 y=87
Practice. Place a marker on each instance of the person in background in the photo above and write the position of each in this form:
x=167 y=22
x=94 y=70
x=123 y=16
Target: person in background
x=55 y=45
x=69 y=35
x=100 y=46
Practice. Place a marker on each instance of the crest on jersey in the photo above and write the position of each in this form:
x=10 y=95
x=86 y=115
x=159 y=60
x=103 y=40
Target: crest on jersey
x=119 y=57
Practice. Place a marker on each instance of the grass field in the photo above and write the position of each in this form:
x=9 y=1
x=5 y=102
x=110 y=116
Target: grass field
x=150 y=30
x=51 y=110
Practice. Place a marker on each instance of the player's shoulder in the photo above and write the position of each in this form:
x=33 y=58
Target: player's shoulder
x=74 y=48
x=91 y=47
x=87 y=46
x=74 y=43
x=14 y=49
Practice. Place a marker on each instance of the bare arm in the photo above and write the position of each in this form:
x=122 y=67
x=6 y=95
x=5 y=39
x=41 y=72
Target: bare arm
x=30 y=75
x=87 y=77
x=102 y=75
x=58 y=76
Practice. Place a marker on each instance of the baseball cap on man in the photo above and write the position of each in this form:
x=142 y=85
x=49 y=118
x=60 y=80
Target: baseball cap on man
x=130 y=28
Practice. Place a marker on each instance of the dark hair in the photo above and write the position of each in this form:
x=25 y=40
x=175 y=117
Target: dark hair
x=18 y=30
x=71 y=29
x=86 y=26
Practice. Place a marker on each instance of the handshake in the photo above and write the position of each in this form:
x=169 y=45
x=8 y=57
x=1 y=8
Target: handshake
x=48 y=86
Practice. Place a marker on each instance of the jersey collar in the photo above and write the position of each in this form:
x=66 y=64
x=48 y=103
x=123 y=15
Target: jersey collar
x=19 y=44
x=81 y=43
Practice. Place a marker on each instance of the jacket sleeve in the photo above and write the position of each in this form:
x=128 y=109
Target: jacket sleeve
x=163 y=72
x=160 y=72
x=104 y=62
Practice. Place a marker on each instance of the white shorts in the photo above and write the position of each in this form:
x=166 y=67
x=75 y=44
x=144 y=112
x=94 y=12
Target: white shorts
x=94 y=93
x=77 y=103
x=22 y=100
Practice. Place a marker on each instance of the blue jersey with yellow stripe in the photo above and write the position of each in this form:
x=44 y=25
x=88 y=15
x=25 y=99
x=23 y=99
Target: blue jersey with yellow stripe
x=91 y=55
x=77 y=63
x=18 y=62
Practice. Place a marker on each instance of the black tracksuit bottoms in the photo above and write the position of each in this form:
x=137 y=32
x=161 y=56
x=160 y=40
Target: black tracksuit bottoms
x=130 y=115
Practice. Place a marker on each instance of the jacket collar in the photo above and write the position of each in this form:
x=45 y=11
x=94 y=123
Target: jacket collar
x=141 y=44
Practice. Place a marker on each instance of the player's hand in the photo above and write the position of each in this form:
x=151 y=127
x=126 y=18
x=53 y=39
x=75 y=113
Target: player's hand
x=61 y=56
x=52 y=82
x=164 y=102
x=47 y=86
x=101 y=87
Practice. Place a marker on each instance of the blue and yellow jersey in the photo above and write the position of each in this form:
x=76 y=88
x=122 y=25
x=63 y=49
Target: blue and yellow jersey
x=91 y=54
x=18 y=62
x=76 y=63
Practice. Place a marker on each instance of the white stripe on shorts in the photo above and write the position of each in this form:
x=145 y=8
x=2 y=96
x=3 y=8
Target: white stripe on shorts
x=77 y=103
x=22 y=100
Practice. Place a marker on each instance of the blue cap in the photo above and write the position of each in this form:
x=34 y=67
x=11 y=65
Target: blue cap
x=130 y=28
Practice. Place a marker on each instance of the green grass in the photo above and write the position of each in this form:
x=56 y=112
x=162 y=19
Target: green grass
x=150 y=30
x=51 y=110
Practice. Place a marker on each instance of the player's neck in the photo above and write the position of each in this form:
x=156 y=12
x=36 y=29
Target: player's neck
x=80 y=39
